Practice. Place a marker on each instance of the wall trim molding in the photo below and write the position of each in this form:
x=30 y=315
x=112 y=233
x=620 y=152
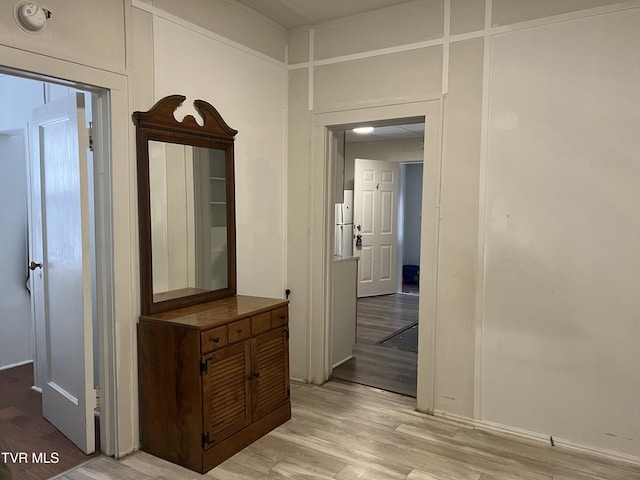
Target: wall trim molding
x=488 y=31
x=371 y=53
x=14 y=365
x=501 y=429
x=139 y=4
x=482 y=213
x=344 y=107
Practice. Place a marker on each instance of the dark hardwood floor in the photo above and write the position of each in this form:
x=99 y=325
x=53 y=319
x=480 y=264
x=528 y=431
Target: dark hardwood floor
x=24 y=429
x=376 y=365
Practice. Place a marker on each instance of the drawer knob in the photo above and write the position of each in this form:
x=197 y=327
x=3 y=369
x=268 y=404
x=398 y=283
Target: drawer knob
x=216 y=339
x=239 y=330
x=257 y=374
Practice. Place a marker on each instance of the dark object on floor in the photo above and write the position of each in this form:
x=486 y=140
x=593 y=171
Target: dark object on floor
x=5 y=473
x=404 y=339
x=411 y=274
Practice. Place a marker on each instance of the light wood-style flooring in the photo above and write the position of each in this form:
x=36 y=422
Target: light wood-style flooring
x=376 y=365
x=346 y=431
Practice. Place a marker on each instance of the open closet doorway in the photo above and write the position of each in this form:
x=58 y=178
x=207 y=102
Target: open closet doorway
x=381 y=169
x=53 y=245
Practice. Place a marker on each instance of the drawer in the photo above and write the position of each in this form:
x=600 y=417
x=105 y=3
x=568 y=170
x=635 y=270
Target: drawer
x=239 y=330
x=212 y=339
x=261 y=323
x=279 y=317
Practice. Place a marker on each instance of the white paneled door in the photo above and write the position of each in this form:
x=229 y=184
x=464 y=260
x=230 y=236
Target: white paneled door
x=61 y=264
x=375 y=220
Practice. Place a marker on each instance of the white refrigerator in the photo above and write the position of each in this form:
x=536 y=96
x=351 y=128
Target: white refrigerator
x=344 y=226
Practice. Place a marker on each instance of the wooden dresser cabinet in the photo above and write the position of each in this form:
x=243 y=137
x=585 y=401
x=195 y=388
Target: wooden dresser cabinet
x=214 y=377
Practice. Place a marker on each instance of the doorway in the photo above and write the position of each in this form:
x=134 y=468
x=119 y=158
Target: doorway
x=34 y=361
x=383 y=169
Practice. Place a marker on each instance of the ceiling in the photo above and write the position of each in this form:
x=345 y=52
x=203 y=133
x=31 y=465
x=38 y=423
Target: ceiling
x=298 y=13
x=391 y=132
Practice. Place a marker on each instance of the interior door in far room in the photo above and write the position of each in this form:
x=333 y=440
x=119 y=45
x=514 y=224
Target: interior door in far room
x=375 y=225
x=61 y=264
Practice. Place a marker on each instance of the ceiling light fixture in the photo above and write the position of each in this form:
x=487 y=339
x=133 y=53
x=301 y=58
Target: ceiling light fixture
x=363 y=130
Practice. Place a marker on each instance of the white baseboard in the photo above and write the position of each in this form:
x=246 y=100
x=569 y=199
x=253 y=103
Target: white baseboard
x=342 y=361
x=13 y=365
x=558 y=442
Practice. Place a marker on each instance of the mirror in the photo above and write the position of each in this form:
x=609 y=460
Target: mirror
x=186 y=206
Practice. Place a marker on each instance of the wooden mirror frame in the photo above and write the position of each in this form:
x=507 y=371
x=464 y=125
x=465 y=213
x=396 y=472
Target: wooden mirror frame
x=159 y=124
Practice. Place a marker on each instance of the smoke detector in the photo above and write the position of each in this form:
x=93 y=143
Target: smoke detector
x=31 y=17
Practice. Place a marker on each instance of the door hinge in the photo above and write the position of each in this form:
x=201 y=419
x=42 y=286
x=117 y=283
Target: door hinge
x=97 y=407
x=204 y=364
x=90 y=132
x=205 y=439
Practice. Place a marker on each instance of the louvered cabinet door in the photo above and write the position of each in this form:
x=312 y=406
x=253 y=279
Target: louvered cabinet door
x=270 y=360
x=226 y=392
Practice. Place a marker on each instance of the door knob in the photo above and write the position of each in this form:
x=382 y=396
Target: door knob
x=33 y=265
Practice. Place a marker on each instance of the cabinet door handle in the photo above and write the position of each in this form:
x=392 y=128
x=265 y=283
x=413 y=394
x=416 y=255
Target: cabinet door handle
x=257 y=374
x=216 y=340
x=239 y=330
x=250 y=377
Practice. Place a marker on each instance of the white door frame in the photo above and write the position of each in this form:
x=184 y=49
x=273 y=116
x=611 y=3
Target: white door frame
x=323 y=193
x=118 y=422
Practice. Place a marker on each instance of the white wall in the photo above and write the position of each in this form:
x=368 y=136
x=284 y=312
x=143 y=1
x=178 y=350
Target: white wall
x=90 y=32
x=230 y=20
x=171 y=202
x=256 y=108
x=18 y=97
x=15 y=317
x=560 y=349
x=486 y=324
x=412 y=193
